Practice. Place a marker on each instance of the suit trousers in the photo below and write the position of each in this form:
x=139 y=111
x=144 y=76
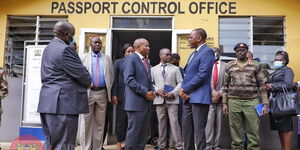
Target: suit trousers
x=243 y=116
x=213 y=126
x=165 y=111
x=60 y=131
x=121 y=122
x=95 y=120
x=137 y=130
x=194 y=120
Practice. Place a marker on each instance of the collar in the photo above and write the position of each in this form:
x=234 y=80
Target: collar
x=198 y=48
x=94 y=54
x=161 y=64
x=140 y=55
x=250 y=62
x=60 y=39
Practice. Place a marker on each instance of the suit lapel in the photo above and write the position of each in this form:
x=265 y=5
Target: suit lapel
x=142 y=64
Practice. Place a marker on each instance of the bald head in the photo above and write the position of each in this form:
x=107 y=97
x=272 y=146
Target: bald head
x=64 y=30
x=141 y=46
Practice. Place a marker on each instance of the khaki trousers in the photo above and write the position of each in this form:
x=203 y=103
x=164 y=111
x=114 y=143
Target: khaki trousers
x=243 y=116
x=165 y=111
x=95 y=120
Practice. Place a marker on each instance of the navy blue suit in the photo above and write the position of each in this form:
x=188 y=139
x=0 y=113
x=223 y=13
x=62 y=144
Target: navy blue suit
x=196 y=84
x=138 y=83
x=63 y=94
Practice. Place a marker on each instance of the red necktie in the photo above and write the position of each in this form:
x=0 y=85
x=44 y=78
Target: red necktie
x=97 y=72
x=215 y=75
x=145 y=64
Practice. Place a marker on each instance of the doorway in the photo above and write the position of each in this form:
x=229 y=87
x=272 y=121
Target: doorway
x=156 y=39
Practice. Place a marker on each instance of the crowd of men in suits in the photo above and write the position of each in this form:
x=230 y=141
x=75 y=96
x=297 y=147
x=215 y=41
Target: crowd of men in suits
x=190 y=98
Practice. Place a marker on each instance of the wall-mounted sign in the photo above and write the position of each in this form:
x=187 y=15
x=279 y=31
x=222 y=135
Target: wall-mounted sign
x=144 y=8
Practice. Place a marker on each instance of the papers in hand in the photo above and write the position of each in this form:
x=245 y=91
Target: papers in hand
x=168 y=88
x=259 y=108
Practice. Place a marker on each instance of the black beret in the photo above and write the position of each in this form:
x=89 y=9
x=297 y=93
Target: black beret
x=240 y=45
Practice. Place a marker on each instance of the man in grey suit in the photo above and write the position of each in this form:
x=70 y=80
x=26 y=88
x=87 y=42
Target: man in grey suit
x=138 y=94
x=101 y=69
x=64 y=90
x=214 y=118
x=167 y=80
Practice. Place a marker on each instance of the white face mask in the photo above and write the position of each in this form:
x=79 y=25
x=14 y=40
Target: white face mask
x=278 y=64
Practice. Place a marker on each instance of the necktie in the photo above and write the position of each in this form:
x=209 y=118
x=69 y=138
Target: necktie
x=145 y=64
x=215 y=75
x=164 y=69
x=97 y=73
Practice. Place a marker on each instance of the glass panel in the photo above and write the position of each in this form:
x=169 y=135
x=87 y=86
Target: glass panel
x=265 y=53
x=268 y=31
x=145 y=23
x=233 y=31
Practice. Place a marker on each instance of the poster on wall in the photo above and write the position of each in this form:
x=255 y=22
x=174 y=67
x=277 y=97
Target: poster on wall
x=32 y=83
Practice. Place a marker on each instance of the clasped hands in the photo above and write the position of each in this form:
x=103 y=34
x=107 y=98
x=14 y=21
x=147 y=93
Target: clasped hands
x=162 y=93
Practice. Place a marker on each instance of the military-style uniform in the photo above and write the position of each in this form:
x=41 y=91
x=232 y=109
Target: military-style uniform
x=3 y=89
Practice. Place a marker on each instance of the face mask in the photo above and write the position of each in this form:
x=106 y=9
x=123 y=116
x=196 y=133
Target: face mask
x=277 y=64
x=72 y=43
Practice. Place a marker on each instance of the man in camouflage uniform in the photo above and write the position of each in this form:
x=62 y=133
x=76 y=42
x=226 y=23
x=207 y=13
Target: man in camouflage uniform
x=3 y=89
x=244 y=82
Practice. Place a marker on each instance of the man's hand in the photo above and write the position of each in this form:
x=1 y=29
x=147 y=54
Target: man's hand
x=216 y=96
x=265 y=110
x=170 y=96
x=181 y=92
x=150 y=95
x=183 y=95
x=269 y=86
x=225 y=110
x=161 y=92
x=114 y=100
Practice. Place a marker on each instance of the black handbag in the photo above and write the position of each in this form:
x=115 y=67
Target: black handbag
x=283 y=103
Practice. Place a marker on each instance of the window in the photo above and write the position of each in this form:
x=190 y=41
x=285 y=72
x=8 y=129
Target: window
x=264 y=35
x=26 y=28
x=142 y=22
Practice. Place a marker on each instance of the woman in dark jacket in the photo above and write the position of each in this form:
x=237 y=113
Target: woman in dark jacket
x=283 y=76
x=118 y=96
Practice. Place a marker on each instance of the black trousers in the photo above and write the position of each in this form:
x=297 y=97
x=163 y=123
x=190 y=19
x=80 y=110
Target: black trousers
x=194 y=118
x=121 y=122
x=60 y=131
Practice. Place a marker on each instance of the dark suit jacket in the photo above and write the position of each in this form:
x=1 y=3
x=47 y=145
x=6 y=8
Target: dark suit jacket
x=118 y=88
x=197 y=77
x=64 y=81
x=281 y=77
x=137 y=82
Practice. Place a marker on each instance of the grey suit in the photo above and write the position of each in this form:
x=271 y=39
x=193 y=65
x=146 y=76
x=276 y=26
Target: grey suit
x=214 y=118
x=63 y=94
x=92 y=125
x=167 y=108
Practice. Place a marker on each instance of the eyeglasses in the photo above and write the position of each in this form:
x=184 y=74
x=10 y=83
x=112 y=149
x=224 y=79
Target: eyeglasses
x=167 y=54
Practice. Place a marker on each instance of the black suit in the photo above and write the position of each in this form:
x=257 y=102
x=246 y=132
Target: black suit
x=118 y=90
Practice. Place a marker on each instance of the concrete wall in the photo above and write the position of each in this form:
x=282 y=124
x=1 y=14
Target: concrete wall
x=9 y=129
